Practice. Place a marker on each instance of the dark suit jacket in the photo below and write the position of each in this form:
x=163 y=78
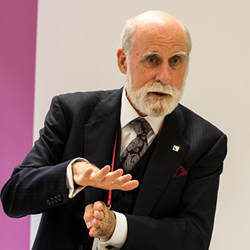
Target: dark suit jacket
x=173 y=211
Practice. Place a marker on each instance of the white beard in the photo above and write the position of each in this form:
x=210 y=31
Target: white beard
x=144 y=101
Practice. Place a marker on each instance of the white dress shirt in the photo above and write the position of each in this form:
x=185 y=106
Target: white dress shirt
x=128 y=113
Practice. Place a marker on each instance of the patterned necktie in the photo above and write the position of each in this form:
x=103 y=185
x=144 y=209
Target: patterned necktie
x=137 y=147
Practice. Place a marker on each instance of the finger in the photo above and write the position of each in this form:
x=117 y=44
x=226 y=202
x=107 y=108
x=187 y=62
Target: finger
x=99 y=205
x=130 y=185
x=96 y=232
x=122 y=180
x=93 y=232
x=88 y=215
x=101 y=173
x=99 y=215
x=96 y=223
x=112 y=176
x=99 y=210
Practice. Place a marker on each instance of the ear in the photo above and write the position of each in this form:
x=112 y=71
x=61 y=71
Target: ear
x=122 y=60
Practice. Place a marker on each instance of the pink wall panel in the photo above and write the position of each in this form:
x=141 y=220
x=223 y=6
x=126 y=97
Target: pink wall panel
x=18 y=20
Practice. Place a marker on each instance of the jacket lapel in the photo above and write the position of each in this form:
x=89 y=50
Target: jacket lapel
x=163 y=163
x=99 y=137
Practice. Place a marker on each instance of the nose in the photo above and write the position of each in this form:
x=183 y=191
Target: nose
x=164 y=74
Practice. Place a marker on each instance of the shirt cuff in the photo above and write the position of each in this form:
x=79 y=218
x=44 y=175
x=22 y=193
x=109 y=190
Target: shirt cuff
x=69 y=179
x=119 y=236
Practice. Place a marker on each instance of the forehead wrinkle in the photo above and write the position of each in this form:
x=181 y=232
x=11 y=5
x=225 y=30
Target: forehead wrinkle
x=162 y=44
x=156 y=36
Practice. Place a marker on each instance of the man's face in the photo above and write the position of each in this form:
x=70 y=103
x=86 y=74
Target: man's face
x=156 y=69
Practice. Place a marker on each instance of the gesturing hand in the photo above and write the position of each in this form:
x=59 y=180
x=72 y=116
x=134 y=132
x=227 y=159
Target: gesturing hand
x=87 y=174
x=99 y=220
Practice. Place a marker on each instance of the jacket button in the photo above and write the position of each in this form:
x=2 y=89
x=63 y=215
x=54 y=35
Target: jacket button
x=59 y=197
x=109 y=247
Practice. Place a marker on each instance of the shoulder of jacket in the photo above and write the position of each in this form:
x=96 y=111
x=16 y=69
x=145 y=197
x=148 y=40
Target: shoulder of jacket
x=87 y=95
x=194 y=123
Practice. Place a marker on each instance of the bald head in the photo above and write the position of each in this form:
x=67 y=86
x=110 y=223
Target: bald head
x=155 y=16
x=153 y=21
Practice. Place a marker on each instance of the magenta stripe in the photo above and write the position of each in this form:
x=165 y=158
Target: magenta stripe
x=18 y=20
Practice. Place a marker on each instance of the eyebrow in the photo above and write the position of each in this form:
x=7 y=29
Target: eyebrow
x=152 y=53
x=181 y=53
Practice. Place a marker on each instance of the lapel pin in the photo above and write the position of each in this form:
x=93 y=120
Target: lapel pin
x=176 y=148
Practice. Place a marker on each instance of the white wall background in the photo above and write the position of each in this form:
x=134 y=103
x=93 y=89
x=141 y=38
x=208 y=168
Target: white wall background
x=77 y=42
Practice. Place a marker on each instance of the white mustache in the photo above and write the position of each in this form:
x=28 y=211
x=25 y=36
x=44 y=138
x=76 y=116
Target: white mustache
x=158 y=87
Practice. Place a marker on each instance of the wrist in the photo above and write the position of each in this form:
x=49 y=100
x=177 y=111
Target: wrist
x=119 y=235
x=112 y=225
x=77 y=167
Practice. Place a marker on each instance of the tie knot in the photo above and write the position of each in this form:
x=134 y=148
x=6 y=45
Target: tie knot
x=140 y=126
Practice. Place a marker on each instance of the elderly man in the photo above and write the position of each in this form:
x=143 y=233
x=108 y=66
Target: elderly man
x=79 y=172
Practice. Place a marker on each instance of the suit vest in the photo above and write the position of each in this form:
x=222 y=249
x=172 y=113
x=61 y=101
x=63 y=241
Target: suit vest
x=123 y=201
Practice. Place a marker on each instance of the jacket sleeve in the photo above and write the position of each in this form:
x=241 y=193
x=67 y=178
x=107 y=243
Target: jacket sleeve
x=39 y=182
x=191 y=228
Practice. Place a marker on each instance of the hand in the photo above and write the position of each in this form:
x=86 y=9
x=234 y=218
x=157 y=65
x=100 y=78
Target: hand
x=87 y=174
x=99 y=220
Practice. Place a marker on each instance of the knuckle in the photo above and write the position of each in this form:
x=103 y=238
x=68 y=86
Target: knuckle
x=101 y=203
x=96 y=203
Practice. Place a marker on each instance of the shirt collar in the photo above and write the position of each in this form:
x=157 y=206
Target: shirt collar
x=128 y=113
